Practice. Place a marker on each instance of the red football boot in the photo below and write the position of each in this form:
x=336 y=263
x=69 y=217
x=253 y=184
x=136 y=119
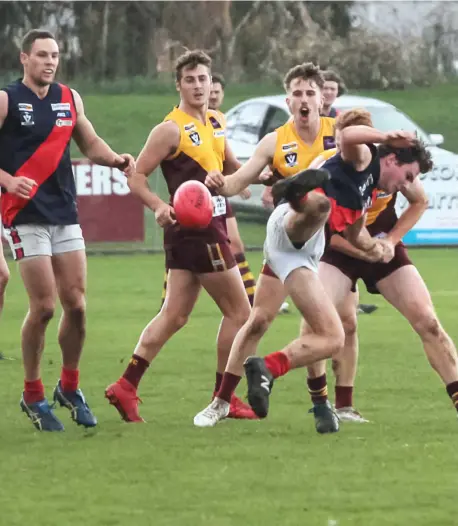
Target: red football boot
x=123 y=396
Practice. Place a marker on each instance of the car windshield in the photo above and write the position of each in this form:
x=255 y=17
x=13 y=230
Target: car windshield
x=386 y=119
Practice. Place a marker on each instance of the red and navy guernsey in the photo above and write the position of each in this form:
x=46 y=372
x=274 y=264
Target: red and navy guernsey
x=35 y=143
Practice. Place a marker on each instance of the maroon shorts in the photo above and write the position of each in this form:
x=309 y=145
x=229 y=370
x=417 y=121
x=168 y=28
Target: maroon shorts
x=229 y=211
x=199 y=257
x=370 y=273
x=267 y=271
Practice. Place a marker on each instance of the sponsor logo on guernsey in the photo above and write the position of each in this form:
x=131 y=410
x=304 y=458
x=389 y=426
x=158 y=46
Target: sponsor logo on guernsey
x=365 y=186
x=23 y=106
x=60 y=106
x=289 y=146
x=64 y=122
x=189 y=127
x=195 y=138
x=219 y=133
x=291 y=159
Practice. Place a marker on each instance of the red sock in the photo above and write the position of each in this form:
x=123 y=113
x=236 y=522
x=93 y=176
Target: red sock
x=34 y=391
x=135 y=370
x=277 y=363
x=228 y=386
x=344 y=396
x=219 y=379
x=69 y=379
x=318 y=389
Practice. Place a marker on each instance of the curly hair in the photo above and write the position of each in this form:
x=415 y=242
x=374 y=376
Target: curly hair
x=416 y=152
x=305 y=71
x=190 y=60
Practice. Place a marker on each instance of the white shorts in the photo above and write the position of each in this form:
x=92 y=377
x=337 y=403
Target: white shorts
x=43 y=240
x=279 y=252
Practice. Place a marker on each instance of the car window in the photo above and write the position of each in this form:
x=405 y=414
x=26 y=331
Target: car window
x=386 y=119
x=246 y=126
x=275 y=117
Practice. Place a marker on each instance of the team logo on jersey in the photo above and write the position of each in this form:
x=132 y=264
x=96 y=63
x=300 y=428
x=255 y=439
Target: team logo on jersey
x=219 y=133
x=23 y=106
x=291 y=159
x=27 y=119
x=64 y=122
x=195 y=138
x=189 y=127
x=289 y=146
x=214 y=122
x=60 y=106
x=329 y=142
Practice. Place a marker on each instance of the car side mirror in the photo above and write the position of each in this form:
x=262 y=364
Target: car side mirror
x=436 y=139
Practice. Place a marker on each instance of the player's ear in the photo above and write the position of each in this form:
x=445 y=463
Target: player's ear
x=177 y=85
x=23 y=57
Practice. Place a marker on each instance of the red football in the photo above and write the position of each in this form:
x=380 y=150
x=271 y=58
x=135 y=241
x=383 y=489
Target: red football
x=193 y=205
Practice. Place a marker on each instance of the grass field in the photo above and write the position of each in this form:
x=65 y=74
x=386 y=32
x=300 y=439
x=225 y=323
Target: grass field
x=398 y=470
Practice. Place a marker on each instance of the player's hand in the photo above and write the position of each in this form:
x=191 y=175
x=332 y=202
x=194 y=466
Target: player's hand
x=245 y=194
x=267 y=199
x=267 y=177
x=21 y=186
x=165 y=215
x=215 y=181
x=126 y=163
x=400 y=139
x=388 y=249
x=375 y=254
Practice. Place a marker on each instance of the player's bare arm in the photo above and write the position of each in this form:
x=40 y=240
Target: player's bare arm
x=354 y=141
x=163 y=141
x=341 y=244
x=359 y=236
x=418 y=204
x=248 y=173
x=93 y=146
x=20 y=186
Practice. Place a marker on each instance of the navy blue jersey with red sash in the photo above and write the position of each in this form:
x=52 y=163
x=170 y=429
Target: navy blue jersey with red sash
x=351 y=192
x=35 y=143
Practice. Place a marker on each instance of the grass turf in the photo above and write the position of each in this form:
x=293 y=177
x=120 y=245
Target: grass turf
x=399 y=469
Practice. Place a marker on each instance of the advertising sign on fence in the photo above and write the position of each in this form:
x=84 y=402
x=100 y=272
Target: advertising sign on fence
x=439 y=224
x=107 y=210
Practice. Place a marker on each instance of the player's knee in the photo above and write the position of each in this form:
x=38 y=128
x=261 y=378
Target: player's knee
x=237 y=246
x=75 y=307
x=259 y=321
x=318 y=206
x=43 y=310
x=176 y=322
x=349 y=323
x=427 y=325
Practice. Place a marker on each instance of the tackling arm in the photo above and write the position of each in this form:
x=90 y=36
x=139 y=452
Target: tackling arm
x=418 y=204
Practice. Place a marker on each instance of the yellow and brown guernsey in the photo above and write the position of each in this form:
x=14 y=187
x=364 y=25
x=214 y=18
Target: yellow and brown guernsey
x=292 y=154
x=201 y=149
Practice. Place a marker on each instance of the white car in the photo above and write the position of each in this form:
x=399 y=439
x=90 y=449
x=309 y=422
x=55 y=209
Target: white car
x=249 y=121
